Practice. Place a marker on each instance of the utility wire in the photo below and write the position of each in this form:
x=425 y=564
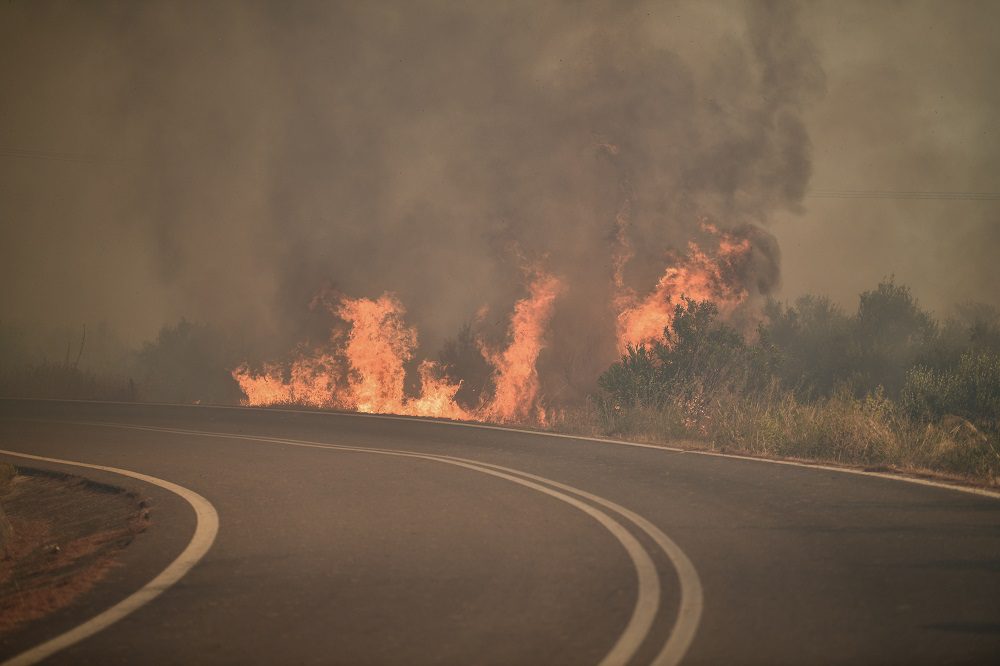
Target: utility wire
x=46 y=155
x=893 y=194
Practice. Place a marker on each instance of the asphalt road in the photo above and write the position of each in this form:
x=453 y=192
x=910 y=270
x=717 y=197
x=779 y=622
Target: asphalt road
x=353 y=539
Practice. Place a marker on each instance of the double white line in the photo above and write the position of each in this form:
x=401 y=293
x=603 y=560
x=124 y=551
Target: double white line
x=649 y=586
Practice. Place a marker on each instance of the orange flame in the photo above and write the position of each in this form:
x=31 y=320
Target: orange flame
x=366 y=370
x=516 y=374
x=437 y=396
x=312 y=382
x=378 y=346
x=376 y=352
x=698 y=275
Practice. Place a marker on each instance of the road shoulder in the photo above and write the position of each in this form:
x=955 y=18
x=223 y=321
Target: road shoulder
x=65 y=535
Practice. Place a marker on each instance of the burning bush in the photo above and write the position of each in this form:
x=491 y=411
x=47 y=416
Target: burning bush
x=696 y=356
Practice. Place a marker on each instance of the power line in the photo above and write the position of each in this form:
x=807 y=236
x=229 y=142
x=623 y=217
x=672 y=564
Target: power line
x=46 y=155
x=900 y=194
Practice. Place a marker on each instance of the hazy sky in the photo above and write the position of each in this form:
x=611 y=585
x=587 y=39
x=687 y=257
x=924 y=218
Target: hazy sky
x=911 y=104
x=224 y=161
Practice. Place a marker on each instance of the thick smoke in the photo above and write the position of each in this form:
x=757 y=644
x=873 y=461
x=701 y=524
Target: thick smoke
x=241 y=157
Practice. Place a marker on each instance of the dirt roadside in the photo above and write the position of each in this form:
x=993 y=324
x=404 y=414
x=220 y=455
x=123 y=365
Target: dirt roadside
x=59 y=536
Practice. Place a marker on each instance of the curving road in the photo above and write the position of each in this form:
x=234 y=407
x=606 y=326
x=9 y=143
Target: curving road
x=355 y=539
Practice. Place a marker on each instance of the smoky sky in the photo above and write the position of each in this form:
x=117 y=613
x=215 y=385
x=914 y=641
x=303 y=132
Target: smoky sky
x=911 y=105
x=225 y=162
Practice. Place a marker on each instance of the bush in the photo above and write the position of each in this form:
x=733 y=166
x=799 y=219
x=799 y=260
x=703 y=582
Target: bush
x=892 y=332
x=821 y=349
x=812 y=340
x=189 y=363
x=970 y=390
x=885 y=387
x=636 y=380
x=698 y=356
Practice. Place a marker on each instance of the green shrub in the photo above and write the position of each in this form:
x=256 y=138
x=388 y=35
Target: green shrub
x=970 y=390
x=821 y=349
x=636 y=380
x=812 y=340
x=886 y=387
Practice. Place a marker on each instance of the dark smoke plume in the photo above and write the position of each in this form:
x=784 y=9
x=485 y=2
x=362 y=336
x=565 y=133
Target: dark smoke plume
x=244 y=156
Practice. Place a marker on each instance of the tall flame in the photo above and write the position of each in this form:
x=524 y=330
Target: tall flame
x=376 y=352
x=378 y=346
x=516 y=374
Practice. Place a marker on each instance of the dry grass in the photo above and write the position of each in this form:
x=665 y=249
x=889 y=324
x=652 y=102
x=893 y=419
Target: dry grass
x=867 y=432
x=7 y=473
x=61 y=380
x=66 y=536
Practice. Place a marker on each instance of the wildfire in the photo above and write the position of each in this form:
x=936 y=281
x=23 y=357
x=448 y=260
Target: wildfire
x=515 y=374
x=312 y=381
x=378 y=346
x=698 y=275
x=365 y=369
x=367 y=374
x=375 y=355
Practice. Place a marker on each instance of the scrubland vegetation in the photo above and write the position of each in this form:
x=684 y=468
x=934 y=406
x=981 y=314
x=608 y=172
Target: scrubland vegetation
x=186 y=363
x=887 y=386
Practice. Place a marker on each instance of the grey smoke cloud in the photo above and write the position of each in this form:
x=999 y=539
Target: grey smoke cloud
x=246 y=155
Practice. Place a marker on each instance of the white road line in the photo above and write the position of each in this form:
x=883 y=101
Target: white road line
x=971 y=490
x=983 y=492
x=691 y=594
x=648 y=597
x=206 y=528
